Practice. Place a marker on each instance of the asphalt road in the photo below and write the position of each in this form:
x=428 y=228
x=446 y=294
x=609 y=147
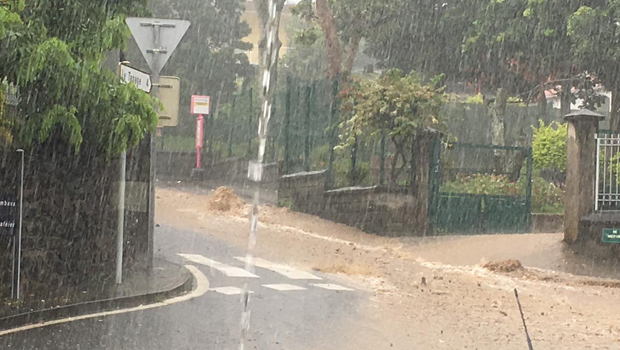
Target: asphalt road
x=290 y=309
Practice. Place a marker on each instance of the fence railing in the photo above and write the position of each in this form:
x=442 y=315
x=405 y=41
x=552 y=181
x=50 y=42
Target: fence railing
x=607 y=172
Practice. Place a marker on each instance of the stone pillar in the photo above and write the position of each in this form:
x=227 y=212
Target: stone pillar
x=580 y=169
x=422 y=179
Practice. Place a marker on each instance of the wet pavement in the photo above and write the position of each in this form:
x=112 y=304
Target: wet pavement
x=288 y=312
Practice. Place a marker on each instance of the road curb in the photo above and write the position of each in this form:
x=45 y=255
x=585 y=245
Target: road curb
x=95 y=306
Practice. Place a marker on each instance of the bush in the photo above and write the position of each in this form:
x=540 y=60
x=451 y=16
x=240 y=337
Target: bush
x=546 y=197
x=549 y=147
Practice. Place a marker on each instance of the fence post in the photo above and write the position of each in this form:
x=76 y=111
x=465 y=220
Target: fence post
x=580 y=169
x=382 y=150
x=309 y=93
x=333 y=131
x=528 y=190
x=287 y=126
x=231 y=120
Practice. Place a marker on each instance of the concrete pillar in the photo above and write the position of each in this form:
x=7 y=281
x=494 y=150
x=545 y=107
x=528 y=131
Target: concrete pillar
x=421 y=183
x=580 y=169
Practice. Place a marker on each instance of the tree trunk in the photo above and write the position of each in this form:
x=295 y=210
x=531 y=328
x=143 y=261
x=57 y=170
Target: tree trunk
x=614 y=116
x=332 y=42
x=565 y=98
x=496 y=110
x=542 y=105
x=349 y=58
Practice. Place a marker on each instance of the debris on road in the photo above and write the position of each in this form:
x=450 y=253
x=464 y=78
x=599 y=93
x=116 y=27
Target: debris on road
x=225 y=200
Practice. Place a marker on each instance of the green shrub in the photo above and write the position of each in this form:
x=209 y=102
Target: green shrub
x=546 y=197
x=549 y=146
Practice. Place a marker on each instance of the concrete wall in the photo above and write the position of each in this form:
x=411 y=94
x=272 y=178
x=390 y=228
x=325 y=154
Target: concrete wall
x=70 y=218
x=180 y=165
x=547 y=223
x=380 y=210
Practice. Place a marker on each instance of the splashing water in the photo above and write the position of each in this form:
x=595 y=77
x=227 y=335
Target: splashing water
x=255 y=168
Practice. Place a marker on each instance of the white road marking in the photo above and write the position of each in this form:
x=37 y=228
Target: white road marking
x=228 y=270
x=202 y=286
x=284 y=270
x=330 y=286
x=283 y=287
x=229 y=290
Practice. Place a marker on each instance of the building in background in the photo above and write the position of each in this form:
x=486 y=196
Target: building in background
x=251 y=17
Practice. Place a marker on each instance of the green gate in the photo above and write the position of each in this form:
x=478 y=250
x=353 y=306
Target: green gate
x=480 y=189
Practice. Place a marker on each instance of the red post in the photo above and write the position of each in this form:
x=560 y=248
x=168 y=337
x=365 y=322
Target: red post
x=199 y=139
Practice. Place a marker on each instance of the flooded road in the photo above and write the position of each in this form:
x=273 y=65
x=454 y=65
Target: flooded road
x=543 y=251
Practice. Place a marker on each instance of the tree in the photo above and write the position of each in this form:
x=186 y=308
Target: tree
x=52 y=51
x=398 y=103
x=344 y=24
x=595 y=36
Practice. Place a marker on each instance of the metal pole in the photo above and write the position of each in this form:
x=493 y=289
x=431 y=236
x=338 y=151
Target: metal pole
x=17 y=239
x=120 y=228
x=250 y=111
x=307 y=127
x=121 y=219
x=153 y=161
x=598 y=167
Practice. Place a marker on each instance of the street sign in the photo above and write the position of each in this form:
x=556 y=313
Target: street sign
x=140 y=79
x=611 y=235
x=9 y=215
x=201 y=104
x=169 y=95
x=157 y=38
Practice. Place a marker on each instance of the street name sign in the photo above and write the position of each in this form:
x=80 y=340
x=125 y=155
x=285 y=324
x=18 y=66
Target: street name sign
x=140 y=79
x=611 y=235
x=9 y=215
x=157 y=38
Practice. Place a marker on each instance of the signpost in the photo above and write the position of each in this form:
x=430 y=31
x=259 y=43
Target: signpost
x=200 y=105
x=140 y=79
x=199 y=139
x=11 y=225
x=157 y=39
x=611 y=235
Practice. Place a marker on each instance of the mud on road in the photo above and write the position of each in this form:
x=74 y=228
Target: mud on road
x=432 y=293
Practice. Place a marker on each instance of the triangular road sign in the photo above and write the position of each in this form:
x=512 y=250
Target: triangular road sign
x=157 y=38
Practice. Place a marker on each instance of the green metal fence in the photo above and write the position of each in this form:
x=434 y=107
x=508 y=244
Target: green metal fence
x=480 y=189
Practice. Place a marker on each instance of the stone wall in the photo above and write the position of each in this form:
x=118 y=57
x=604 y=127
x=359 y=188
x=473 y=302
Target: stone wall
x=381 y=210
x=70 y=218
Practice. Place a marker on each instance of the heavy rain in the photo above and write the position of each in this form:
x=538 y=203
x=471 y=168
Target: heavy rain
x=309 y=174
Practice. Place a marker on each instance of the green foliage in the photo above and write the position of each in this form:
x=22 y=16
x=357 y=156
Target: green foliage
x=401 y=103
x=549 y=146
x=546 y=197
x=53 y=55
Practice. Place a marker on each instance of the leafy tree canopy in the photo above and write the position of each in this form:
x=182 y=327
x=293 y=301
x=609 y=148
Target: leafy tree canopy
x=52 y=51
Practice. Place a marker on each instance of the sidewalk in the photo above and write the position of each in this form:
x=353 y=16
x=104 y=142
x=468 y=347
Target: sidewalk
x=166 y=280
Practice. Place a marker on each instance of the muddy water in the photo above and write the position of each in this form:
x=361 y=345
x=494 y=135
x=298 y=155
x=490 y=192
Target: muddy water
x=545 y=251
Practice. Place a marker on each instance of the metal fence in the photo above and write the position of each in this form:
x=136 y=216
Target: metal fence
x=607 y=169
